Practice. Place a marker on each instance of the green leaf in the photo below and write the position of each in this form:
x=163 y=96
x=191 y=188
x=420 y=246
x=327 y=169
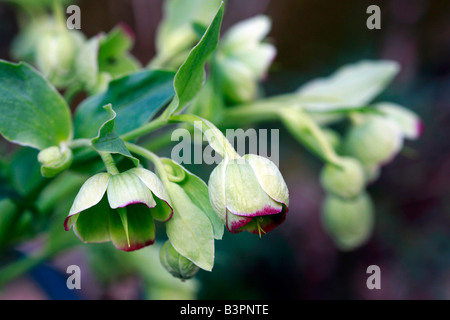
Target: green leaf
x=351 y=86
x=32 y=112
x=197 y=190
x=136 y=98
x=189 y=230
x=175 y=33
x=108 y=140
x=190 y=76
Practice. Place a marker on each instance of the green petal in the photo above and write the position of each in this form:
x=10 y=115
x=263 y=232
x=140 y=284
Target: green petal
x=89 y=195
x=152 y=182
x=125 y=189
x=244 y=194
x=92 y=225
x=216 y=188
x=141 y=228
x=269 y=177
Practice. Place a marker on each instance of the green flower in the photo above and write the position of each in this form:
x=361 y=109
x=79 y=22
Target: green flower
x=249 y=194
x=125 y=214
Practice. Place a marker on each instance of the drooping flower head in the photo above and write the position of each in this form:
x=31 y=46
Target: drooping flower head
x=249 y=194
x=120 y=208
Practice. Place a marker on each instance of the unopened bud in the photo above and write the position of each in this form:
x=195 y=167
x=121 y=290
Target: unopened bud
x=176 y=264
x=54 y=160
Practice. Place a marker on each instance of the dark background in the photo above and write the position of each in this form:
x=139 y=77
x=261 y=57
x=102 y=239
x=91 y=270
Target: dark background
x=411 y=242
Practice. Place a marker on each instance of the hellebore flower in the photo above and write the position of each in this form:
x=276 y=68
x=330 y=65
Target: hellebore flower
x=125 y=215
x=249 y=194
x=349 y=222
x=56 y=54
x=242 y=59
x=176 y=264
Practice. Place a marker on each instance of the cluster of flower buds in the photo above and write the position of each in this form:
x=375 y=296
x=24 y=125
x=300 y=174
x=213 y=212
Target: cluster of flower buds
x=374 y=140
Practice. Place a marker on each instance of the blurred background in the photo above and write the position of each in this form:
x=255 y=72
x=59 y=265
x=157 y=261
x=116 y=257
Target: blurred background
x=411 y=241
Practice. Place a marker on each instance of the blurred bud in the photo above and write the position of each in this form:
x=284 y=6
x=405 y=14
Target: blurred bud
x=249 y=194
x=176 y=264
x=56 y=55
x=243 y=60
x=409 y=122
x=346 y=180
x=372 y=172
x=376 y=140
x=54 y=160
x=349 y=222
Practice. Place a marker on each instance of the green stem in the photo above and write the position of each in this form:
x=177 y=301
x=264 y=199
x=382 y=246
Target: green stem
x=109 y=163
x=58 y=12
x=80 y=143
x=133 y=148
x=145 y=129
x=215 y=137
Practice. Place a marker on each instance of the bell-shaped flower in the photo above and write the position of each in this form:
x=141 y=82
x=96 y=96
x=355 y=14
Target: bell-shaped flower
x=249 y=194
x=243 y=59
x=120 y=208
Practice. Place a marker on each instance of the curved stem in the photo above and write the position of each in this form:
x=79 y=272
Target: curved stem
x=145 y=129
x=215 y=137
x=79 y=143
x=133 y=148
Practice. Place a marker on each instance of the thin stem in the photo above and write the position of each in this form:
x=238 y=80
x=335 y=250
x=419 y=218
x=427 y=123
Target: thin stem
x=80 y=143
x=58 y=11
x=133 y=148
x=145 y=129
x=109 y=163
x=215 y=137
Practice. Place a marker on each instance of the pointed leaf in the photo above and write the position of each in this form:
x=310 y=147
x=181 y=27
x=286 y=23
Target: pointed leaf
x=136 y=98
x=108 y=140
x=190 y=76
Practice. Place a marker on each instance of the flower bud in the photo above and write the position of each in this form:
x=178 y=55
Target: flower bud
x=56 y=54
x=176 y=264
x=249 y=194
x=409 y=122
x=346 y=180
x=54 y=160
x=349 y=222
x=243 y=59
x=376 y=140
